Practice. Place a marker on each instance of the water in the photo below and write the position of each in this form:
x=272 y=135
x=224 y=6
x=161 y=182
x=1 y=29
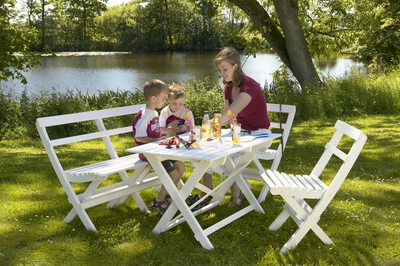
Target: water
x=94 y=73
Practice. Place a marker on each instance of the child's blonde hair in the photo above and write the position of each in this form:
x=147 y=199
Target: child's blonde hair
x=177 y=91
x=154 y=87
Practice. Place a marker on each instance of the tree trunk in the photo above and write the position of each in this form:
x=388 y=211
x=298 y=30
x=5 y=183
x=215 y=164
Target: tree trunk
x=168 y=25
x=84 y=21
x=271 y=33
x=205 y=9
x=43 y=25
x=302 y=64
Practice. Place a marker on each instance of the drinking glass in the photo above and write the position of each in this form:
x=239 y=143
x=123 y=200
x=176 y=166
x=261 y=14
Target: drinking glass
x=236 y=133
x=197 y=135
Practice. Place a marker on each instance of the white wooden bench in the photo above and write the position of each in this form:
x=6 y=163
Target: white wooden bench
x=96 y=173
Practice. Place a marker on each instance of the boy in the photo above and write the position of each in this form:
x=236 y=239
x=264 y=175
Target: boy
x=146 y=129
x=173 y=117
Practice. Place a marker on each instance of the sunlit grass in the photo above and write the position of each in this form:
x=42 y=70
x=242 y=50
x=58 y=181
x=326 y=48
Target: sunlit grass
x=363 y=219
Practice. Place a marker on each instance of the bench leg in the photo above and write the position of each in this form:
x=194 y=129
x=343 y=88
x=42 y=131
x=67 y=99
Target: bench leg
x=83 y=216
x=137 y=176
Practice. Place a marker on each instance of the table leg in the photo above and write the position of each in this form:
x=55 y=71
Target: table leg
x=178 y=198
x=242 y=162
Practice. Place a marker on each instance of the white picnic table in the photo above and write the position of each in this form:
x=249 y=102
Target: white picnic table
x=220 y=154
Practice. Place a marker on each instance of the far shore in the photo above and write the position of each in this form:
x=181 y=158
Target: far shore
x=83 y=53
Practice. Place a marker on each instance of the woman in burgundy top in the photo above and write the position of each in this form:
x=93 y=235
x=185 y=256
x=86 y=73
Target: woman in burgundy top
x=245 y=99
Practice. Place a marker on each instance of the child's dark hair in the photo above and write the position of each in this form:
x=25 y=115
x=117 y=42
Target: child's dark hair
x=154 y=87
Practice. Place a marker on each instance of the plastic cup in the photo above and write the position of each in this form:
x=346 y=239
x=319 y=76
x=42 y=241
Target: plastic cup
x=197 y=135
x=236 y=133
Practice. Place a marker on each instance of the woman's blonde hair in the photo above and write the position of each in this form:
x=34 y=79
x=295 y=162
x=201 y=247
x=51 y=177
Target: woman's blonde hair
x=231 y=56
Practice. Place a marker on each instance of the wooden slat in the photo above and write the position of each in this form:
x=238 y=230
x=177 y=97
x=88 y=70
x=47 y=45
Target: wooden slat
x=304 y=182
x=95 y=135
x=319 y=182
x=107 y=167
x=274 y=178
x=289 y=180
x=350 y=131
x=336 y=151
x=315 y=185
x=298 y=183
x=86 y=116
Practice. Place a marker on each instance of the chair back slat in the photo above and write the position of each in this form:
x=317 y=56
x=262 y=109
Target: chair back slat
x=336 y=151
x=348 y=130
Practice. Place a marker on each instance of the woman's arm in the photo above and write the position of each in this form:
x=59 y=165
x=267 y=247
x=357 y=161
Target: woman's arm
x=237 y=106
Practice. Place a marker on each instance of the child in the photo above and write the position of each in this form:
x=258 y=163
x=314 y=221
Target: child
x=146 y=129
x=173 y=117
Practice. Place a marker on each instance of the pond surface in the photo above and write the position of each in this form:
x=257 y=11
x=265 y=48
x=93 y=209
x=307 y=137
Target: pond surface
x=93 y=73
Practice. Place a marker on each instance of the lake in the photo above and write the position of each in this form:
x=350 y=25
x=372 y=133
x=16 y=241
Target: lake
x=126 y=71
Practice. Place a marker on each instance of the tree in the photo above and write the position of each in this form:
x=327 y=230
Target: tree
x=84 y=12
x=365 y=29
x=32 y=9
x=288 y=41
x=14 y=41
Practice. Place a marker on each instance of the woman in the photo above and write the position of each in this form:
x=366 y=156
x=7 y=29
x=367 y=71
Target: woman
x=245 y=99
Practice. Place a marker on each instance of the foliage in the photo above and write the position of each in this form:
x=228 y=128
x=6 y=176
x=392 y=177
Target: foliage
x=136 y=27
x=362 y=219
x=12 y=41
x=367 y=30
x=203 y=96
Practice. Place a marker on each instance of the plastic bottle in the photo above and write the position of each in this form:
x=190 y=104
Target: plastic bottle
x=206 y=127
x=217 y=125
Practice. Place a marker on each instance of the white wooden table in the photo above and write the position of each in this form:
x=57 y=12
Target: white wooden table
x=204 y=156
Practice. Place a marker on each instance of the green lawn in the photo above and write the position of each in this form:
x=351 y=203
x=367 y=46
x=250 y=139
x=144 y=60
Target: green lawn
x=363 y=219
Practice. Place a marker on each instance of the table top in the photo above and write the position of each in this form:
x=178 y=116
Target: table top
x=209 y=152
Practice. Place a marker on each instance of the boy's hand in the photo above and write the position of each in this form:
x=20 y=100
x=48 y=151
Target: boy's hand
x=170 y=131
x=173 y=124
x=183 y=128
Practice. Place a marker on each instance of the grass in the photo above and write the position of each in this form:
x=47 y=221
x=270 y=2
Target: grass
x=363 y=219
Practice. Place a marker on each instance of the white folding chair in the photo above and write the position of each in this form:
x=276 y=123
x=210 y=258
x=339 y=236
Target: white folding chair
x=294 y=189
x=286 y=126
x=286 y=112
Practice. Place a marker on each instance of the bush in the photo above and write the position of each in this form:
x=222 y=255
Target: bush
x=352 y=95
x=204 y=96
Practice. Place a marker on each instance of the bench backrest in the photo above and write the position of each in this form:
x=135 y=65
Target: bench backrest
x=43 y=123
